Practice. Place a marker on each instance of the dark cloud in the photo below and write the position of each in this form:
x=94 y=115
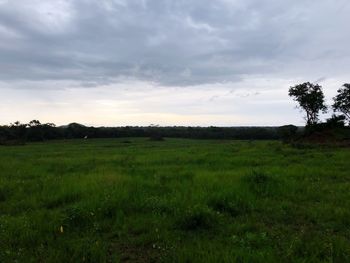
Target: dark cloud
x=172 y=43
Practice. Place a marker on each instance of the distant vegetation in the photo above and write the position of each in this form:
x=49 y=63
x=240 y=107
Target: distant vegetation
x=342 y=101
x=311 y=99
x=35 y=131
x=309 y=96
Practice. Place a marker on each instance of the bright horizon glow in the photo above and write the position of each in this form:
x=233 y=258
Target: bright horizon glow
x=138 y=104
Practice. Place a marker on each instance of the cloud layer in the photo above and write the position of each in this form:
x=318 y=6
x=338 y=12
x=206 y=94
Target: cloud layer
x=167 y=44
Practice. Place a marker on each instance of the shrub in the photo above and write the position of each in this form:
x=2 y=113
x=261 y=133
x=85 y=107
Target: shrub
x=336 y=121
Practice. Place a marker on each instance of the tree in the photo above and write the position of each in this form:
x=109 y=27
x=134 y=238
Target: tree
x=34 y=123
x=342 y=101
x=311 y=99
x=34 y=131
x=18 y=130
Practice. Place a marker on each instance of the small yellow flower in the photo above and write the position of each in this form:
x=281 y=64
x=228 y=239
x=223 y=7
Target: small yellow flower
x=61 y=229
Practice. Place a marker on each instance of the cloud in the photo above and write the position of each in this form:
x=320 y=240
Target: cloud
x=171 y=42
x=171 y=58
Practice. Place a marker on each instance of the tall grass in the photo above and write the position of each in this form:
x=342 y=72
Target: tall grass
x=173 y=201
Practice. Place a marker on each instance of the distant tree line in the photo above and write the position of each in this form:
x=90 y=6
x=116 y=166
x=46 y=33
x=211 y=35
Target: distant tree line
x=36 y=131
x=309 y=96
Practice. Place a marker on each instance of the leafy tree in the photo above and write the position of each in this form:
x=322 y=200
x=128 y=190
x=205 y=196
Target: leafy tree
x=34 y=123
x=18 y=130
x=311 y=99
x=342 y=101
x=34 y=131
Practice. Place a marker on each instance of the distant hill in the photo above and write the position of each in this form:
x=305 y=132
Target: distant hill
x=73 y=124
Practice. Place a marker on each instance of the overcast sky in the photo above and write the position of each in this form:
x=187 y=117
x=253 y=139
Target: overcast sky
x=168 y=62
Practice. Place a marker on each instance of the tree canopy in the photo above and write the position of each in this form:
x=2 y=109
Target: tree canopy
x=342 y=101
x=310 y=98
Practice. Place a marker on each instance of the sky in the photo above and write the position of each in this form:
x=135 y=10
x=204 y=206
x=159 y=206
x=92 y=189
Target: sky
x=168 y=62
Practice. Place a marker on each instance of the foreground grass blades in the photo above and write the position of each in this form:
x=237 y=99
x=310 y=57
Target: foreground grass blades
x=173 y=201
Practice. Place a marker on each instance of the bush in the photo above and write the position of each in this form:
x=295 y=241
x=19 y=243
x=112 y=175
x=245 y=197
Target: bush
x=336 y=121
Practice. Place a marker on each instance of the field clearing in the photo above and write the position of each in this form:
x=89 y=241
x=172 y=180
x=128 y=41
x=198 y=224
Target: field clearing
x=178 y=200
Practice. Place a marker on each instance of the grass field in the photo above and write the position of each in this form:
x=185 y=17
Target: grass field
x=135 y=200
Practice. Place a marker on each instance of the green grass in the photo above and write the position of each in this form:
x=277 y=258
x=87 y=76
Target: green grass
x=173 y=201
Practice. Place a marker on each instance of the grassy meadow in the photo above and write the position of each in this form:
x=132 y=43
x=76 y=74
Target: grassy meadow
x=178 y=200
